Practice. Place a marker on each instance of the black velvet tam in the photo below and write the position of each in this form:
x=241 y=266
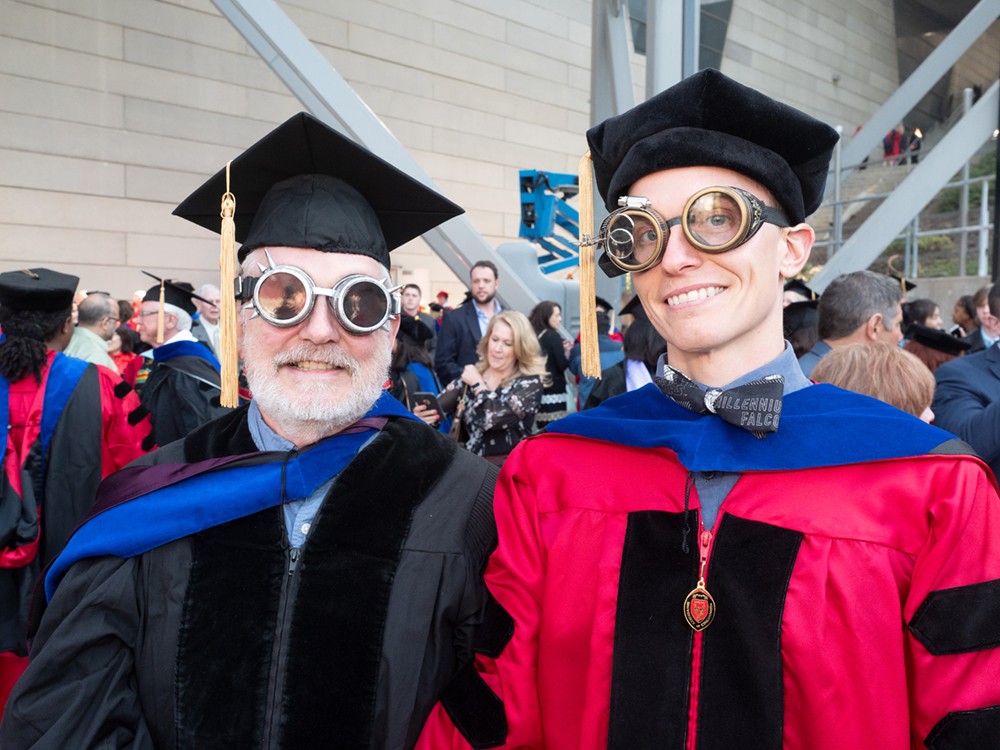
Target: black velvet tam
x=414 y=330
x=937 y=339
x=306 y=185
x=799 y=287
x=709 y=119
x=37 y=289
x=799 y=315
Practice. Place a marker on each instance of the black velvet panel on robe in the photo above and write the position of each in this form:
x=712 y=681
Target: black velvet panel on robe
x=320 y=682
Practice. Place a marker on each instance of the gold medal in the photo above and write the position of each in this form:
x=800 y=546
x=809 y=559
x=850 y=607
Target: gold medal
x=699 y=608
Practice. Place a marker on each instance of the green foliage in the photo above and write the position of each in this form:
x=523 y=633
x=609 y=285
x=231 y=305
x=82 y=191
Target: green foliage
x=948 y=199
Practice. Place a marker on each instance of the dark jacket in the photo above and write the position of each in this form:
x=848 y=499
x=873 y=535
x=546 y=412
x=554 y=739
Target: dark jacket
x=967 y=402
x=456 y=342
x=222 y=639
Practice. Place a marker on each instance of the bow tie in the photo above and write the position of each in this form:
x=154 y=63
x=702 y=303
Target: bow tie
x=754 y=406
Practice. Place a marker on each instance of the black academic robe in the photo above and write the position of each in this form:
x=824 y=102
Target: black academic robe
x=181 y=394
x=220 y=640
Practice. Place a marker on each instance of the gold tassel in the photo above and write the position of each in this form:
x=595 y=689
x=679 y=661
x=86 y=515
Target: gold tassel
x=159 y=316
x=227 y=301
x=590 y=356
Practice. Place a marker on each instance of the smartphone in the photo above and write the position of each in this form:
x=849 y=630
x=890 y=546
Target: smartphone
x=427 y=399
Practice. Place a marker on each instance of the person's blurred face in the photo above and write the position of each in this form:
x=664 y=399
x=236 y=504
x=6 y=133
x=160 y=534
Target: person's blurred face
x=934 y=320
x=146 y=323
x=315 y=376
x=500 y=348
x=115 y=343
x=555 y=319
x=209 y=311
x=411 y=301
x=960 y=317
x=891 y=331
x=484 y=285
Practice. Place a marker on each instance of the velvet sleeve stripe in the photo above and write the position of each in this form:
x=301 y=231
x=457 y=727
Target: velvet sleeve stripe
x=137 y=415
x=966 y=730
x=495 y=631
x=474 y=709
x=959 y=620
x=122 y=389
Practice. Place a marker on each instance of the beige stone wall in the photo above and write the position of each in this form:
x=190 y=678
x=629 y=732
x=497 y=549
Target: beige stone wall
x=835 y=59
x=112 y=111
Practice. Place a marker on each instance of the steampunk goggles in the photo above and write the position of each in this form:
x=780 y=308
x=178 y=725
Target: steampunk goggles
x=284 y=296
x=715 y=220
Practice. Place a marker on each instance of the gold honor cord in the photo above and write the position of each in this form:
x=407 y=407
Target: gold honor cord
x=590 y=356
x=230 y=396
x=160 y=315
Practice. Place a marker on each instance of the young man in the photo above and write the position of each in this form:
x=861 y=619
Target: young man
x=305 y=571
x=682 y=568
x=410 y=298
x=463 y=327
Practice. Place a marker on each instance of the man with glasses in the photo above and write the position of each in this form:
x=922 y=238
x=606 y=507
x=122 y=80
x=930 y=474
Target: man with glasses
x=183 y=386
x=97 y=319
x=305 y=571
x=731 y=556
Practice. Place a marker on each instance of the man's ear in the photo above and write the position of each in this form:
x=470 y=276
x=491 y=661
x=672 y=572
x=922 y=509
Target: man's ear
x=798 y=242
x=873 y=325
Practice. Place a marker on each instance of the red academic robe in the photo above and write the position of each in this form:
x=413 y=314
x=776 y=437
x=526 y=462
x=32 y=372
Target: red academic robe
x=854 y=568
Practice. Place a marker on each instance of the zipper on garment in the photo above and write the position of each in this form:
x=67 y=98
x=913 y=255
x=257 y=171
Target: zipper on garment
x=276 y=677
x=706 y=605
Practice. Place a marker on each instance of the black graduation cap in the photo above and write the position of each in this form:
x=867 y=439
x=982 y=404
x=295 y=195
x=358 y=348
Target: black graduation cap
x=800 y=287
x=937 y=339
x=799 y=315
x=177 y=293
x=37 y=289
x=306 y=185
x=414 y=330
x=709 y=119
x=904 y=283
x=633 y=307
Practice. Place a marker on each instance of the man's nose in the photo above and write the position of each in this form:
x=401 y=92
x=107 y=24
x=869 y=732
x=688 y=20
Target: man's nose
x=321 y=325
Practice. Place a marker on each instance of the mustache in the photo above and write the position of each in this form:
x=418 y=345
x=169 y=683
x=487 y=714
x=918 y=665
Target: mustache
x=330 y=355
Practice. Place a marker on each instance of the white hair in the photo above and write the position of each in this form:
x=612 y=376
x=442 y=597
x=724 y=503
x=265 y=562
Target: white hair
x=184 y=321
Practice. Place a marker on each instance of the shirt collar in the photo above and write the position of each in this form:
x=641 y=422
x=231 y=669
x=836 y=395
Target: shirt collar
x=263 y=436
x=785 y=364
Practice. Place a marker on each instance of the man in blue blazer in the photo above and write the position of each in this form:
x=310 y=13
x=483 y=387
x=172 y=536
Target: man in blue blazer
x=967 y=396
x=463 y=327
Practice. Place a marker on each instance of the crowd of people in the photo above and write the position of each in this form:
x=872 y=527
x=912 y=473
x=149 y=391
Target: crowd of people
x=733 y=512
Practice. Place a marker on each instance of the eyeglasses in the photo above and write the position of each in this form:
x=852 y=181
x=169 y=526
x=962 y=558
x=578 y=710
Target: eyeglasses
x=715 y=220
x=284 y=296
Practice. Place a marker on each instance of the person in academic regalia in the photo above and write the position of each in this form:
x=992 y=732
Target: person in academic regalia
x=67 y=424
x=183 y=387
x=305 y=571
x=732 y=556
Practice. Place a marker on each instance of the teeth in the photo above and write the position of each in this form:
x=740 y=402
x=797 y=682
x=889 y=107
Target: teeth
x=310 y=365
x=695 y=294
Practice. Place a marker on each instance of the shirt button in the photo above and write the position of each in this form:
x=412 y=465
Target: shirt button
x=305 y=528
x=708 y=475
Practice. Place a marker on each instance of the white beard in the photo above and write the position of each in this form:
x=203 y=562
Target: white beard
x=314 y=412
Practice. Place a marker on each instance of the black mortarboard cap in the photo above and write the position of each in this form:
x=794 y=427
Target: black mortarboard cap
x=799 y=315
x=904 y=283
x=634 y=307
x=800 y=287
x=176 y=293
x=414 y=330
x=937 y=339
x=39 y=289
x=306 y=185
x=709 y=119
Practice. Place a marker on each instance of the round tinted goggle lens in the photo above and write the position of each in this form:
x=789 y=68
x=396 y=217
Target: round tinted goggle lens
x=364 y=303
x=716 y=220
x=282 y=297
x=633 y=236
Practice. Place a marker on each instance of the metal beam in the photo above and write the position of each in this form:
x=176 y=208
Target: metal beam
x=664 y=44
x=912 y=90
x=916 y=191
x=322 y=90
x=611 y=63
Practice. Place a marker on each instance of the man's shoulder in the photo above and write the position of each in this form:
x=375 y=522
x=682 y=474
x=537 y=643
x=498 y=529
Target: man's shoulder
x=965 y=364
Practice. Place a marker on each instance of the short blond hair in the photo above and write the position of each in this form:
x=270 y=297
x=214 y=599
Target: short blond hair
x=881 y=370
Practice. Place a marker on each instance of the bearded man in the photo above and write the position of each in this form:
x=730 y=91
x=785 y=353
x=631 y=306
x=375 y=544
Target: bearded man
x=302 y=572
